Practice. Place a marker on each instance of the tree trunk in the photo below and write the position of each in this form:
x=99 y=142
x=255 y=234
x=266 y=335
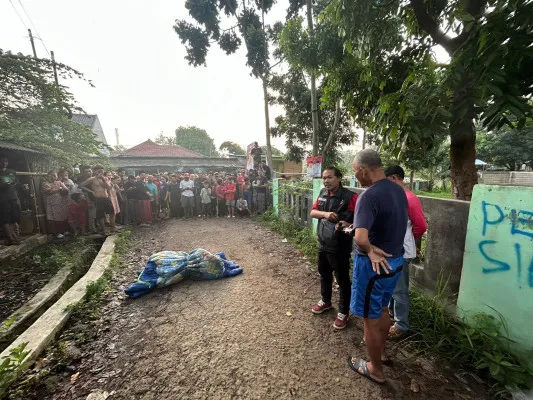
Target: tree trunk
x=412 y=181
x=430 y=180
x=333 y=129
x=364 y=137
x=314 y=102
x=462 y=159
x=267 y=126
x=463 y=142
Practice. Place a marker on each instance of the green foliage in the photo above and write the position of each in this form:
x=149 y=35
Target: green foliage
x=296 y=125
x=232 y=148
x=54 y=257
x=165 y=140
x=10 y=364
x=481 y=345
x=247 y=27
x=275 y=151
x=439 y=194
x=196 y=139
x=302 y=238
x=391 y=84
x=34 y=111
x=507 y=147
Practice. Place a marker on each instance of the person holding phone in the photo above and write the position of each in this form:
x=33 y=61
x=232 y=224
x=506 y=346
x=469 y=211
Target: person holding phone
x=334 y=207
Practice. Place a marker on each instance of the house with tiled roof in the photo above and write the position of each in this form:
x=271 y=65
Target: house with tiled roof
x=151 y=157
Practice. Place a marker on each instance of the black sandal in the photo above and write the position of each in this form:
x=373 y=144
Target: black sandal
x=360 y=363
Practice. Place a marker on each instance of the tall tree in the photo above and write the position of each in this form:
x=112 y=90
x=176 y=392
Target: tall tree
x=296 y=123
x=248 y=20
x=275 y=151
x=36 y=113
x=487 y=79
x=309 y=50
x=232 y=148
x=509 y=148
x=196 y=139
x=165 y=140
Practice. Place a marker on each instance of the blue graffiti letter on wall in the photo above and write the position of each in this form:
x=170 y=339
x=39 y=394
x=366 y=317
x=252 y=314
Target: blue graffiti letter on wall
x=486 y=221
x=501 y=265
x=515 y=220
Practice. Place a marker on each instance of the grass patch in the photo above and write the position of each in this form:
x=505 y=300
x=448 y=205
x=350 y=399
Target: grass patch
x=52 y=258
x=88 y=308
x=482 y=348
x=436 y=194
x=304 y=239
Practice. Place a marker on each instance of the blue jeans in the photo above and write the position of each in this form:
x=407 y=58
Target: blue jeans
x=248 y=197
x=399 y=304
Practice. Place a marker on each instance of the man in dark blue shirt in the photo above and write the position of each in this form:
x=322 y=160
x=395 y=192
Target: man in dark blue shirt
x=380 y=222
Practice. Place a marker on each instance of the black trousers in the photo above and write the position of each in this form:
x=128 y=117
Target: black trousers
x=338 y=263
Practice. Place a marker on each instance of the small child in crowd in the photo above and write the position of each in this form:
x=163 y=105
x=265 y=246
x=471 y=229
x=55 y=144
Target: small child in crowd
x=230 y=190
x=242 y=207
x=77 y=214
x=205 y=196
x=221 y=199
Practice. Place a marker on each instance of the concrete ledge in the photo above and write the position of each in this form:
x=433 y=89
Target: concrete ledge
x=42 y=332
x=24 y=247
x=14 y=322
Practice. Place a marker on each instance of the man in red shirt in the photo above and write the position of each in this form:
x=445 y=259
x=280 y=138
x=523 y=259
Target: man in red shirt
x=230 y=190
x=416 y=226
x=334 y=209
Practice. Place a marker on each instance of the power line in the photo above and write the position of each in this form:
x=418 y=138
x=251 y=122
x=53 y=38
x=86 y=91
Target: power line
x=20 y=17
x=33 y=25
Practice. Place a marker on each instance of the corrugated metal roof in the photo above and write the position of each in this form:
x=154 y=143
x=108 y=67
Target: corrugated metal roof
x=84 y=119
x=13 y=146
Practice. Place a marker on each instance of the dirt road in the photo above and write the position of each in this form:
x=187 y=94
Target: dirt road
x=232 y=338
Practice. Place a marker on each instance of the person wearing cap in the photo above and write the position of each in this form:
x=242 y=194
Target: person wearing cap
x=187 y=195
x=416 y=226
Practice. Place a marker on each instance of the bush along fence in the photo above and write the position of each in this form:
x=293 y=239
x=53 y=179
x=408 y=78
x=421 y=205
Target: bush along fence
x=480 y=342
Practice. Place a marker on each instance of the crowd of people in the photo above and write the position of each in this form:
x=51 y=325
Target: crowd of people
x=93 y=198
x=380 y=226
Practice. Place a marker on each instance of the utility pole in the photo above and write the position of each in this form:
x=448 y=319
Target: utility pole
x=116 y=135
x=314 y=102
x=32 y=44
x=54 y=67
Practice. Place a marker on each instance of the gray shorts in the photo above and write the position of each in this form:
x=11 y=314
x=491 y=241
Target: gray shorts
x=187 y=201
x=230 y=203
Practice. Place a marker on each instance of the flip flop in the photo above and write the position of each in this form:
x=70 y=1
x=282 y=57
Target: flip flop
x=360 y=363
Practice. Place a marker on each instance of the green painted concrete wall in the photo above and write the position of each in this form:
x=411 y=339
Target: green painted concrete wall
x=275 y=196
x=497 y=276
x=318 y=184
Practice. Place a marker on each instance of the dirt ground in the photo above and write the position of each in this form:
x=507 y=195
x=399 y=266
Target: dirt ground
x=234 y=338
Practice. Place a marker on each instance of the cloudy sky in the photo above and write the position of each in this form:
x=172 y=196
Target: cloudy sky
x=136 y=61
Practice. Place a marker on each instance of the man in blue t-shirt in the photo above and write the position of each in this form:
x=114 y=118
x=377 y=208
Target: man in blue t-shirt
x=380 y=221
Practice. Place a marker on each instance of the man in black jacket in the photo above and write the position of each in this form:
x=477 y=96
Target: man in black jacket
x=334 y=208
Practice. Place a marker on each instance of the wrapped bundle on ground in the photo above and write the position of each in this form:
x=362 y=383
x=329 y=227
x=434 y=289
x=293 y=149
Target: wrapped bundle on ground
x=168 y=267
